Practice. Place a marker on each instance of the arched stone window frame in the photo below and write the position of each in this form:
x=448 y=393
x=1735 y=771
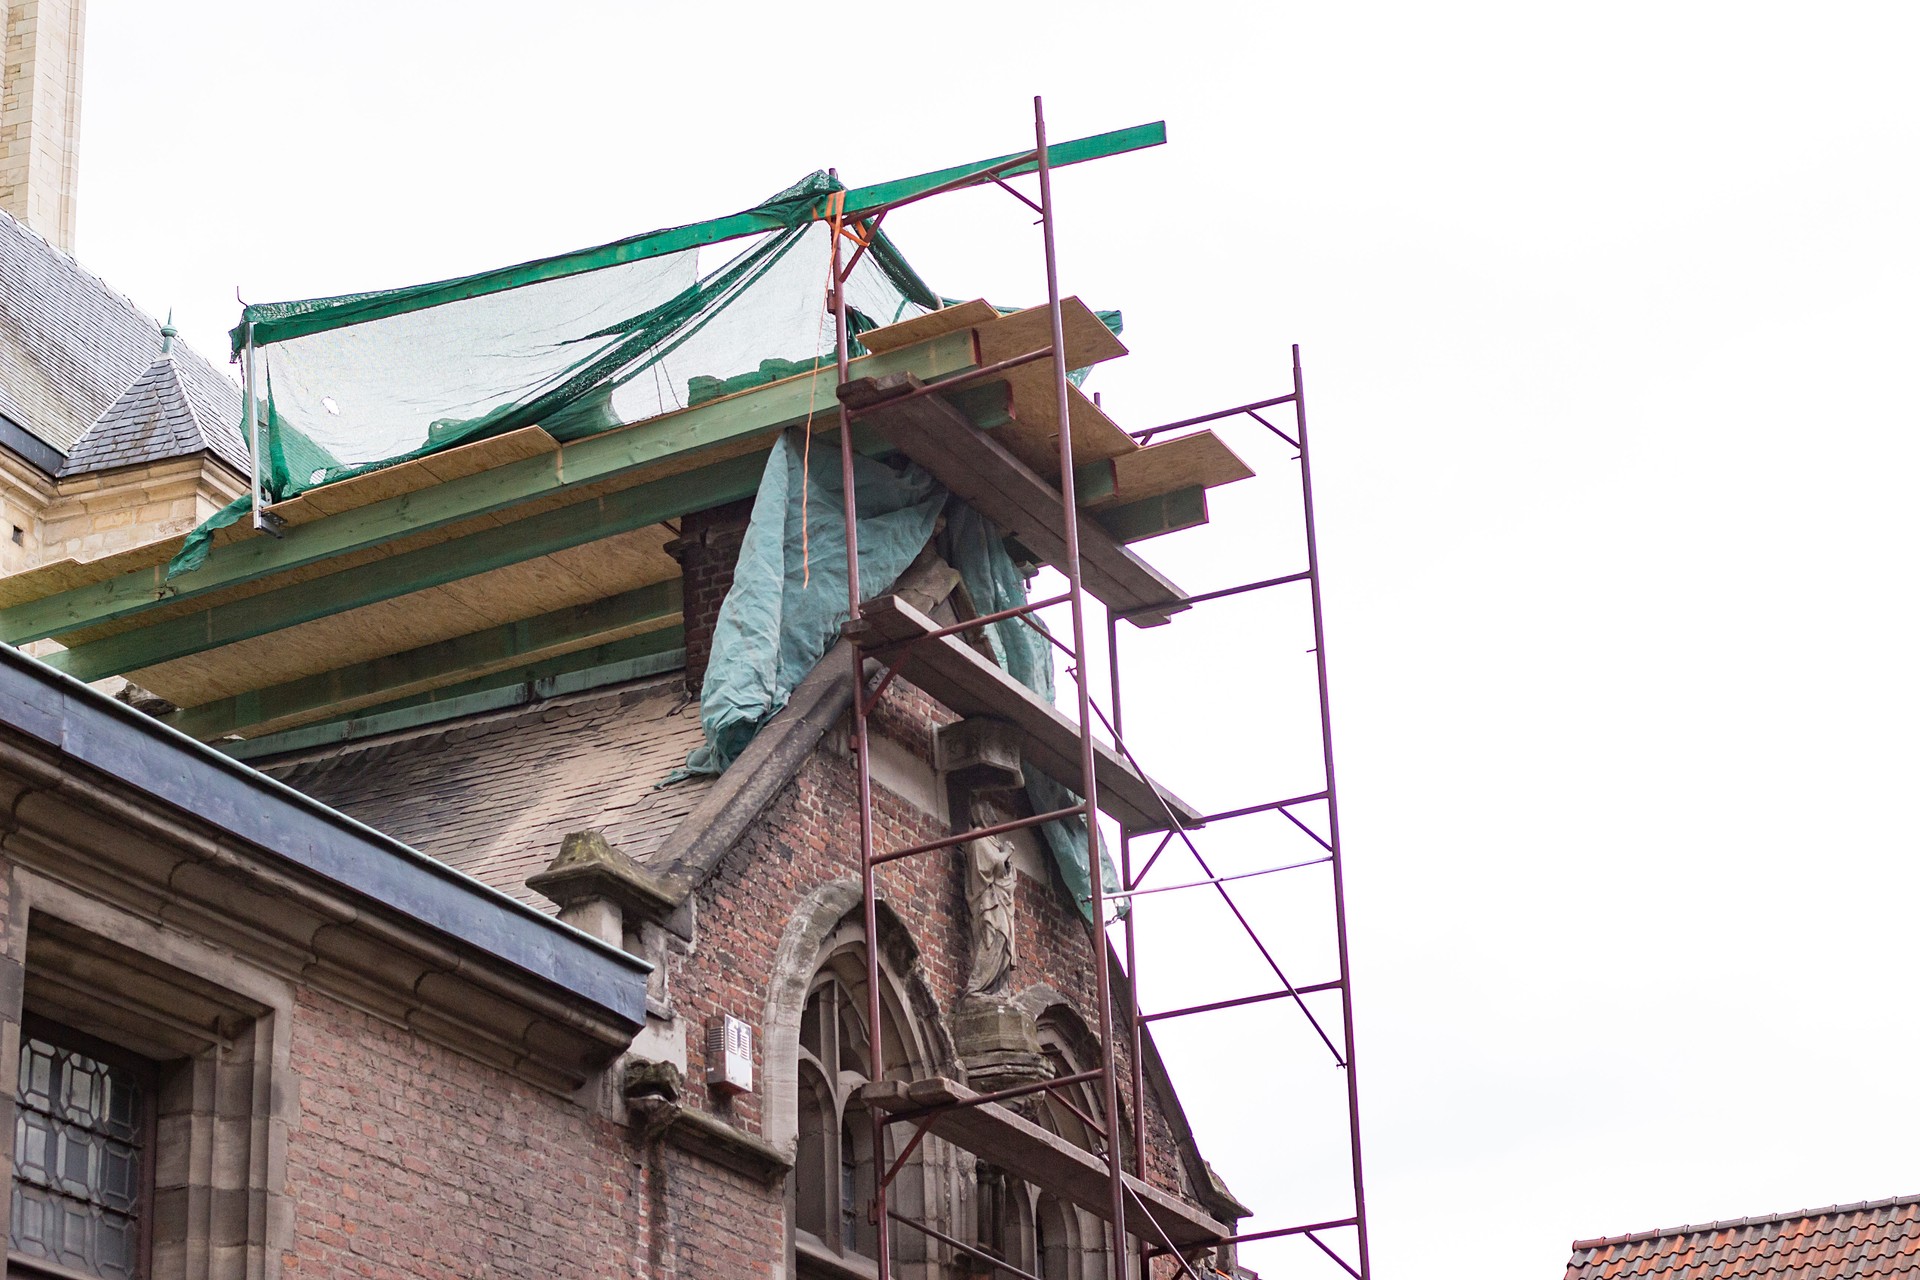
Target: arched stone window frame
x=822 y=947
x=1061 y=1241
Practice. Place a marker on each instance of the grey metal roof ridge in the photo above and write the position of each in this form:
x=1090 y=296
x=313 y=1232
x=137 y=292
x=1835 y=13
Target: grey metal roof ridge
x=1762 y=1220
x=115 y=739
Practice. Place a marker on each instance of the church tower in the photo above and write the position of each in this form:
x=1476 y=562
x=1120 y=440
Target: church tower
x=40 y=65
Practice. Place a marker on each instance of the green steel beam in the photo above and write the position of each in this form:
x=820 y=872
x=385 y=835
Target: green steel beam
x=582 y=462
x=416 y=570
x=1151 y=517
x=396 y=675
x=380 y=720
x=648 y=644
x=1097 y=147
x=653 y=244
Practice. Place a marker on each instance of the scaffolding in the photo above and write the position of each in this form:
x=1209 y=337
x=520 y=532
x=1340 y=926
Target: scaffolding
x=891 y=633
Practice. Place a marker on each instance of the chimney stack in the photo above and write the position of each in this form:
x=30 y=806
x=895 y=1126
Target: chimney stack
x=40 y=62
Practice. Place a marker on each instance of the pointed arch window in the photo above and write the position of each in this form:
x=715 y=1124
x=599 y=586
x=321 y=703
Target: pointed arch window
x=834 y=1168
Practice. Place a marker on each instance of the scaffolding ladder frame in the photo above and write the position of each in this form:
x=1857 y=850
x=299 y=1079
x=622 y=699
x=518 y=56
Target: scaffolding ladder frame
x=858 y=227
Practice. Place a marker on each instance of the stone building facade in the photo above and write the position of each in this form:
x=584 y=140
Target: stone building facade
x=344 y=1074
x=436 y=997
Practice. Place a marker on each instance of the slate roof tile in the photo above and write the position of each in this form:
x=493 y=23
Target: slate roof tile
x=493 y=796
x=1839 y=1242
x=72 y=349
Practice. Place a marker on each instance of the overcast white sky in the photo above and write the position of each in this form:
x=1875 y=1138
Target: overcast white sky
x=1609 y=321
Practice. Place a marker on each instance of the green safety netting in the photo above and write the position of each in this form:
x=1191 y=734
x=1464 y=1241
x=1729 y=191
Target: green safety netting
x=617 y=334
x=789 y=599
x=577 y=344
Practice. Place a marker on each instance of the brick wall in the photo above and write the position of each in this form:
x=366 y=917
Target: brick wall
x=708 y=545
x=811 y=836
x=410 y=1160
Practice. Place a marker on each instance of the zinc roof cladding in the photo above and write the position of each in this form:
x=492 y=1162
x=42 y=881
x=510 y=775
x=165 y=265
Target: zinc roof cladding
x=493 y=795
x=1839 y=1242
x=71 y=348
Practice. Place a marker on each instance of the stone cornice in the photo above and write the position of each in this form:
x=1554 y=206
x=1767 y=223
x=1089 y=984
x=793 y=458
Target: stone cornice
x=297 y=889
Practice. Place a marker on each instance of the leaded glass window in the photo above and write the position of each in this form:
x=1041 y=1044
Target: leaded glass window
x=81 y=1152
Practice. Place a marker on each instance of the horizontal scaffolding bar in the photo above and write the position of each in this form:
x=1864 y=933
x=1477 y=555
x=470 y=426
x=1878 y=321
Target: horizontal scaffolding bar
x=1212 y=417
x=1290 y=1231
x=1268 y=807
x=967 y=1249
x=1014 y=1091
x=986 y=373
x=982 y=833
x=1223 y=592
x=1201 y=884
x=1285 y=993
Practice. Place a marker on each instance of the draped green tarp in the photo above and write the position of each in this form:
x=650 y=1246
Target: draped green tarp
x=788 y=602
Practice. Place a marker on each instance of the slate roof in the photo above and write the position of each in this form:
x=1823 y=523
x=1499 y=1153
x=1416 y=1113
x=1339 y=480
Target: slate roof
x=493 y=795
x=1839 y=1242
x=71 y=348
x=162 y=415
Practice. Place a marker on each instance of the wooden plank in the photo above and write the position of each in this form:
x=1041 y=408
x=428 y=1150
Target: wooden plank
x=411 y=477
x=644 y=655
x=964 y=315
x=1201 y=460
x=686 y=439
x=1048 y=1161
x=986 y=475
x=69 y=574
x=1089 y=341
x=510 y=593
x=412 y=571
x=955 y=674
x=433 y=666
x=1034 y=434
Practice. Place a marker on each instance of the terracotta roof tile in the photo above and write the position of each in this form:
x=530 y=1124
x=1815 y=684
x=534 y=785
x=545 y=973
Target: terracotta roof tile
x=493 y=795
x=1839 y=1242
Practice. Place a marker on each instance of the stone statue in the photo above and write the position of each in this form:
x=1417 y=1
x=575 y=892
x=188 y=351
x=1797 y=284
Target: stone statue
x=990 y=903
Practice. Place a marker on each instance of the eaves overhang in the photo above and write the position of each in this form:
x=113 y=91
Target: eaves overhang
x=112 y=739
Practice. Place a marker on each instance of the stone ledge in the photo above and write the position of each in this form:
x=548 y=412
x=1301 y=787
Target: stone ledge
x=707 y=1136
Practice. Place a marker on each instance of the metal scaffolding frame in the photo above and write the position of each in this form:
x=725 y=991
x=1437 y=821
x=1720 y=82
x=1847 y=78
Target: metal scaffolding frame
x=856 y=227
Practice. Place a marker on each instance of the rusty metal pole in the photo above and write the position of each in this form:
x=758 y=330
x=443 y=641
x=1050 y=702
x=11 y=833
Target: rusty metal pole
x=876 y=1049
x=1333 y=818
x=1136 y=1029
x=1110 y=1097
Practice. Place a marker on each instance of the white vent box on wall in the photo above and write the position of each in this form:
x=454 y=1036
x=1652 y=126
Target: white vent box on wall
x=730 y=1055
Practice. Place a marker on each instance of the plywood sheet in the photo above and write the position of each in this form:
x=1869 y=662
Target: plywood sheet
x=1201 y=460
x=964 y=315
x=410 y=477
x=499 y=596
x=1088 y=340
x=954 y=674
x=1046 y=1160
x=1034 y=434
x=441 y=679
x=64 y=575
x=984 y=472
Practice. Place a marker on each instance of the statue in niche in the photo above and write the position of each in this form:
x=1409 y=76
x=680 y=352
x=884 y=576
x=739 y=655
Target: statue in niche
x=990 y=904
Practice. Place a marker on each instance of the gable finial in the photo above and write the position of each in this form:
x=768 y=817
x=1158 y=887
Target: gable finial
x=167 y=334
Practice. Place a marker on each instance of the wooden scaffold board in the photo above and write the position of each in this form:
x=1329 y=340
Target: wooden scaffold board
x=960 y=678
x=1046 y=1160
